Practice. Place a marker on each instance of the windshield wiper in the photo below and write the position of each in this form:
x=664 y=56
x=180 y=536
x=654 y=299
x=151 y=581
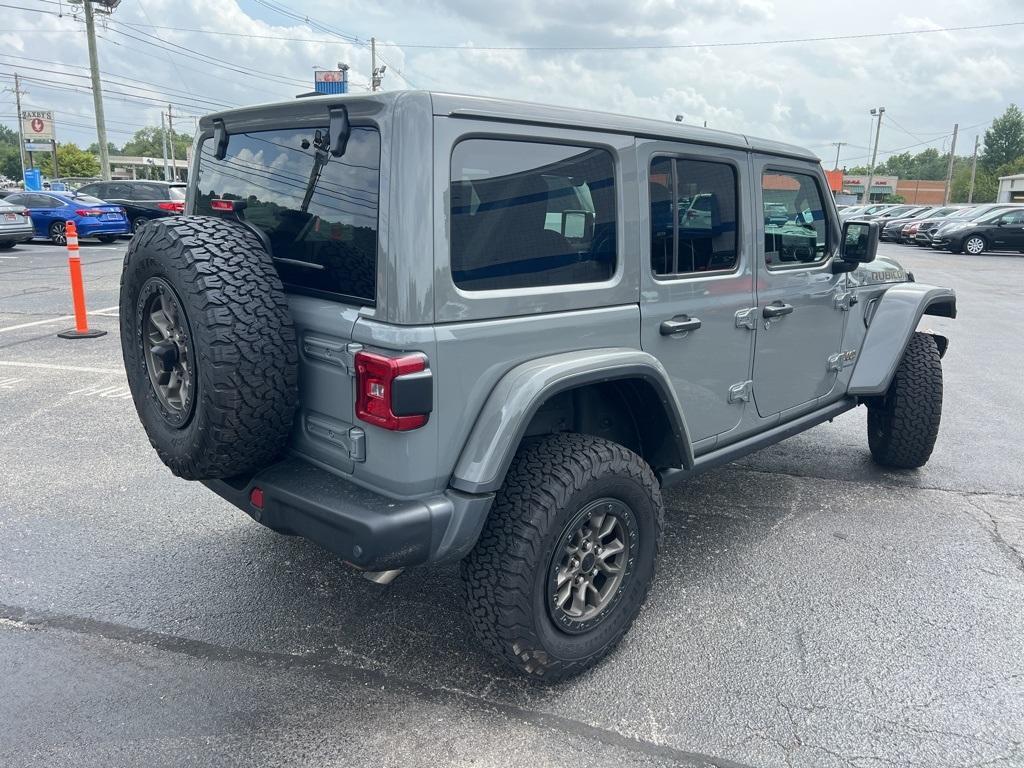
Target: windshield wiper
x=333 y=144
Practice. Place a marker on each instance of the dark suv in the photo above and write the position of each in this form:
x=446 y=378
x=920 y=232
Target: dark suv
x=142 y=200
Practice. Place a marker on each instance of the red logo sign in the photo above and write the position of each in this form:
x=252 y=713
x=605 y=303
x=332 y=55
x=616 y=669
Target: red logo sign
x=38 y=125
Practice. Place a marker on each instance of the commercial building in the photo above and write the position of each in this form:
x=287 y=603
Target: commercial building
x=1011 y=189
x=880 y=185
x=922 y=191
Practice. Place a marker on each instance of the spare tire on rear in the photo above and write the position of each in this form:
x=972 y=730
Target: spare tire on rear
x=208 y=345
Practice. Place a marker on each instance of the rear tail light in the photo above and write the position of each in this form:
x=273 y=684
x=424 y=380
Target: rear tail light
x=88 y=212
x=228 y=206
x=395 y=393
x=177 y=207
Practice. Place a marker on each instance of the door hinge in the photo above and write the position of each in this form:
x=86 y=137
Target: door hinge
x=843 y=300
x=336 y=353
x=746 y=318
x=740 y=393
x=840 y=360
x=352 y=440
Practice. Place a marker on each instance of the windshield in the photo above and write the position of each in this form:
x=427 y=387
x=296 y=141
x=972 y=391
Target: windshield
x=992 y=214
x=966 y=213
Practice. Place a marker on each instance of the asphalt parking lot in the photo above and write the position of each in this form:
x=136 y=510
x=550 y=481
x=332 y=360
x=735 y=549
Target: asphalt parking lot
x=810 y=609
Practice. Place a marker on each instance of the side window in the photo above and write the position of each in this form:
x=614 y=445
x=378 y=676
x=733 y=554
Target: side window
x=117 y=192
x=693 y=216
x=148 y=192
x=803 y=237
x=526 y=214
x=1014 y=217
x=96 y=190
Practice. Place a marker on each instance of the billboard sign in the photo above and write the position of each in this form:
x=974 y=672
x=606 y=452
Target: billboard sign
x=330 y=81
x=37 y=125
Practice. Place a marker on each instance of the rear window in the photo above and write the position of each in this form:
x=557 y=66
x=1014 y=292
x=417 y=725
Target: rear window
x=177 y=193
x=318 y=211
x=525 y=214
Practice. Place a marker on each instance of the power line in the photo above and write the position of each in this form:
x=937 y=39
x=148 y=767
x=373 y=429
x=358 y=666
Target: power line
x=639 y=46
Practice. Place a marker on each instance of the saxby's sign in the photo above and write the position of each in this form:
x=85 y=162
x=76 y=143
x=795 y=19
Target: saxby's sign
x=37 y=125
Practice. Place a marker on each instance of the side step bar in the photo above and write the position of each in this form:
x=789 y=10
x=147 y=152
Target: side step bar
x=754 y=443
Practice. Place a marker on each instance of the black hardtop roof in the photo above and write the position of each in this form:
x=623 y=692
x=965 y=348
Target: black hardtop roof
x=509 y=110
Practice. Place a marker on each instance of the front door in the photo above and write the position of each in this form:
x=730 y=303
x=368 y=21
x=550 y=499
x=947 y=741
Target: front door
x=800 y=323
x=1008 y=231
x=696 y=274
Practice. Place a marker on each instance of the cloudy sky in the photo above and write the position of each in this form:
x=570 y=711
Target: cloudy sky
x=655 y=58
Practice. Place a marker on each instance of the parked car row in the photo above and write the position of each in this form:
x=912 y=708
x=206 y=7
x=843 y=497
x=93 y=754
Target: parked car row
x=104 y=209
x=973 y=229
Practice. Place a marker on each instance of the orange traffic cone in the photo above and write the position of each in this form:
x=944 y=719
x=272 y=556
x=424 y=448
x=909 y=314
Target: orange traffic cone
x=81 y=329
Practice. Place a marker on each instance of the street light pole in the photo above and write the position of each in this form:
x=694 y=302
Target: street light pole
x=97 y=91
x=874 y=155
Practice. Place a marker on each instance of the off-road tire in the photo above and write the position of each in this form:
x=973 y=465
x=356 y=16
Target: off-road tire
x=244 y=356
x=505 y=576
x=903 y=424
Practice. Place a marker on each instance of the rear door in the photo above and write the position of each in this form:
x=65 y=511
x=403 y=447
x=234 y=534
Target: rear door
x=800 y=323
x=696 y=277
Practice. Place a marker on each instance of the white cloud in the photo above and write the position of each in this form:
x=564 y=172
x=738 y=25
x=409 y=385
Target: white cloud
x=807 y=92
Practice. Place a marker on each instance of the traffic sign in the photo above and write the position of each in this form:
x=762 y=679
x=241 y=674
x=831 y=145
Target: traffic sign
x=37 y=125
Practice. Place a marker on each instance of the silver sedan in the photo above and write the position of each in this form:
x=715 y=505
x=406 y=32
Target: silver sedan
x=15 y=225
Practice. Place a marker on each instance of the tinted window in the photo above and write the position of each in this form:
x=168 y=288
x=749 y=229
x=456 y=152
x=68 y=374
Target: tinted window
x=96 y=190
x=117 y=192
x=318 y=211
x=803 y=236
x=525 y=214
x=693 y=216
x=148 y=192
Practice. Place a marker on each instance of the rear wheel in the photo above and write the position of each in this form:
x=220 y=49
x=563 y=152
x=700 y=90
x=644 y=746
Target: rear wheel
x=58 y=233
x=904 y=423
x=975 y=245
x=566 y=557
x=6 y=244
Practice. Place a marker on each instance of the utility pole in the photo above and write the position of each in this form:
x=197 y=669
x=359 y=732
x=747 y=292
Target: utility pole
x=170 y=141
x=163 y=144
x=952 y=156
x=18 y=93
x=974 y=170
x=97 y=92
x=874 y=155
x=373 y=64
x=376 y=73
x=838 y=145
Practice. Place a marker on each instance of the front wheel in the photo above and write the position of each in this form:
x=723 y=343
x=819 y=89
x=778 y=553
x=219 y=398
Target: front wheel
x=58 y=233
x=567 y=555
x=904 y=423
x=974 y=245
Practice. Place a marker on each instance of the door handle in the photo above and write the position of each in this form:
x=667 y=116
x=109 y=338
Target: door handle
x=679 y=324
x=776 y=309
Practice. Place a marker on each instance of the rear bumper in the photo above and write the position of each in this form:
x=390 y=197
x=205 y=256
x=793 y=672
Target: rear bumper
x=17 y=234
x=368 y=530
x=93 y=228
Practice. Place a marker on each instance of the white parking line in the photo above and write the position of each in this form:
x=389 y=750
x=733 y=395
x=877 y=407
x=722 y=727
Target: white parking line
x=8 y=382
x=55 y=320
x=54 y=367
x=9 y=258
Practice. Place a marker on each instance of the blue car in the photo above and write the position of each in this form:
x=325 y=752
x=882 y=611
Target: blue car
x=50 y=212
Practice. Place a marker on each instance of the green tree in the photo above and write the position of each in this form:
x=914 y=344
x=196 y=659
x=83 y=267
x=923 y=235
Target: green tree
x=8 y=137
x=1004 y=141
x=148 y=142
x=10 y=163
x=985 y=185
x=71 y=161
x=112 y=150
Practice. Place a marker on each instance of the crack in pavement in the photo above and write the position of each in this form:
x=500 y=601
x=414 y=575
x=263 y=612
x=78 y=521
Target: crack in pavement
x=994 y=533
x=359 y=676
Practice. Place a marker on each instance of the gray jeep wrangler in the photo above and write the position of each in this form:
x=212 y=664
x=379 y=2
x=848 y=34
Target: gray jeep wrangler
x=422 y=328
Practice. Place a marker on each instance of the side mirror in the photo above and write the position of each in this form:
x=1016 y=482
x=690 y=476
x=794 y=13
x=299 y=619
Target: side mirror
x=575 y=224
x=859 y=246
